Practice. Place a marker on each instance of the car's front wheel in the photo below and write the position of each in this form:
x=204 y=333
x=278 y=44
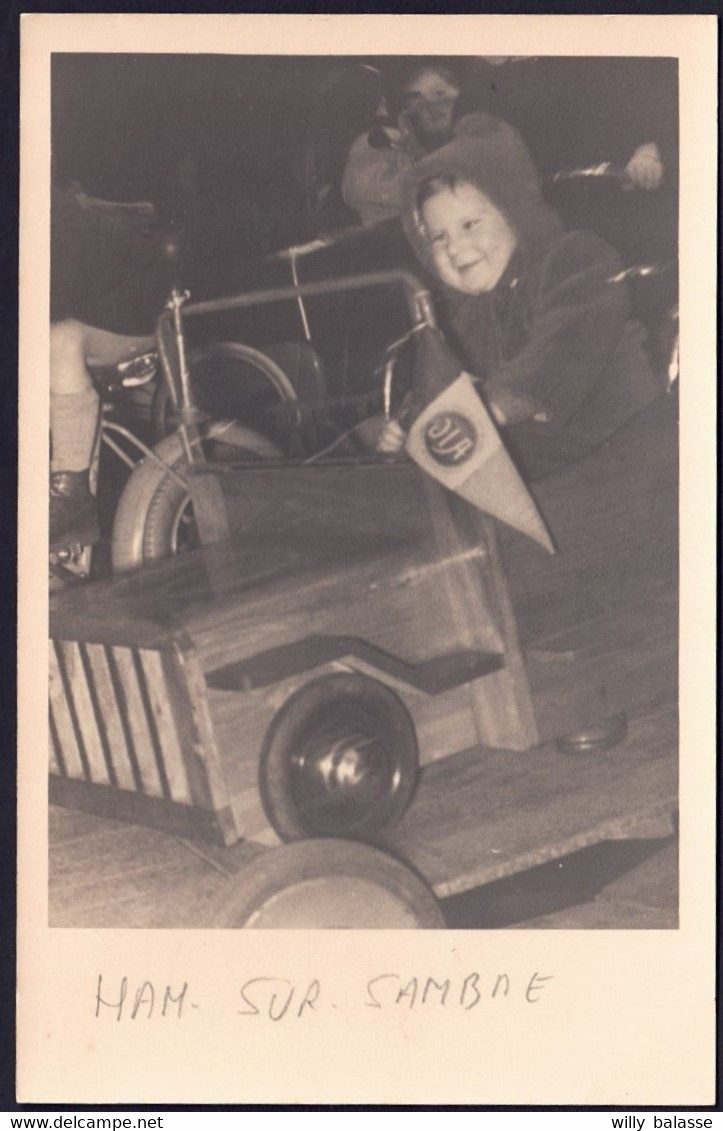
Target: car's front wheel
x=333 y=884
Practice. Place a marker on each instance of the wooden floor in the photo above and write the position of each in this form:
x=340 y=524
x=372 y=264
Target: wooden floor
x=643 y=897
x=493 y=814
x=497 y=813
x=613 y=885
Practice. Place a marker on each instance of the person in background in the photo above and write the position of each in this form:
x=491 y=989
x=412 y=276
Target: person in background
x=108 y=283
x=602 y=109
x=423 y=109
x=577 y=112
x=533 y=312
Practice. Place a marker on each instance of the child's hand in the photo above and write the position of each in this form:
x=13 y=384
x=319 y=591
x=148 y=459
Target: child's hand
x=645 y=169
x=391 y=438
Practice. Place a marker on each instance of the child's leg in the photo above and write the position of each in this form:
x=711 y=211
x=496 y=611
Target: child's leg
x=73 y=400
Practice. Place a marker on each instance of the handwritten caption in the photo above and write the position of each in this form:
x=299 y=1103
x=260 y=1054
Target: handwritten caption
x=278 y=998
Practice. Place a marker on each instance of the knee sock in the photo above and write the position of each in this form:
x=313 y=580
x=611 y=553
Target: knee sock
x=73 y=426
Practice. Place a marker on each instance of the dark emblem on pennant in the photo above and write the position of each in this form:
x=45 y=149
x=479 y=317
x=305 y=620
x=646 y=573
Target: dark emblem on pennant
x=451 y=438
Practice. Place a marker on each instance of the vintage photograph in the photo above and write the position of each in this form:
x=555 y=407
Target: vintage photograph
x=363 y=492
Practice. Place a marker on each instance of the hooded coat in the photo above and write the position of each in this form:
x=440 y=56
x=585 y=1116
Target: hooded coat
x=555 y=335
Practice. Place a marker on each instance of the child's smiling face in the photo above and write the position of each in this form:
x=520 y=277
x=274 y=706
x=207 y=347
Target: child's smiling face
x=471 y=240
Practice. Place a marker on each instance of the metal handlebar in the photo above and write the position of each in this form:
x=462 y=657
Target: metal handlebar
x=605 y=170
x=170 y=323
x=417 y=295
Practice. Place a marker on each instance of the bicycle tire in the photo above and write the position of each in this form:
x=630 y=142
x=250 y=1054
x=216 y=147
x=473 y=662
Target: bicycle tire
x=152 y=500
x=234 y=351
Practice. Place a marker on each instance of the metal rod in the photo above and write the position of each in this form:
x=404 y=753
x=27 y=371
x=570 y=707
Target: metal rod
x=166 y=366
x=123 y=456
x=111 y=426
x=417 y=296
x=300 y=300
x=178 y=298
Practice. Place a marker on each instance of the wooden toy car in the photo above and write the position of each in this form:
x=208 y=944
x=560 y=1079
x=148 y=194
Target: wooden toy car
x=353 y=652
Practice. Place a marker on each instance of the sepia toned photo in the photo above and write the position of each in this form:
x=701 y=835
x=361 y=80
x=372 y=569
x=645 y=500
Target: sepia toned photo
x=369 y=593
x=363 y=491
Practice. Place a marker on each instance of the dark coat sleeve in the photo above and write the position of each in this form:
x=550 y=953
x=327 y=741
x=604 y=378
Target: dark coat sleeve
x=578 y=316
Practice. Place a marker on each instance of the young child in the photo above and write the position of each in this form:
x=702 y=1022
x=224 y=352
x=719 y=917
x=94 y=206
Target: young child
x=533 y=312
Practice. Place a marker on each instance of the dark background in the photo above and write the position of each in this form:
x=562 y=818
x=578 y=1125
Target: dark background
x=232 y=132
x=229 y=148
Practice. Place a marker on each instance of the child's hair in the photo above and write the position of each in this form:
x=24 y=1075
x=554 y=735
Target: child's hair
x=433 y=186
x=442 y=182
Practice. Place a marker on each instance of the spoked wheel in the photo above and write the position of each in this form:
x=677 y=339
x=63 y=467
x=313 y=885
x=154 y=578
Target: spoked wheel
x=230 y=378
x=329 y=884
x=339 y=759
x=154 y=518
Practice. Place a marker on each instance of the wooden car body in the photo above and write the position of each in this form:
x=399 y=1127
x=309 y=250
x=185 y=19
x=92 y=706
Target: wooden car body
x=165 y=681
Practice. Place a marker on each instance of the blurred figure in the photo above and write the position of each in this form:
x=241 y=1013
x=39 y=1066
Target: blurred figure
x=422 y=109
x=341 y=108
x=429 y=98
x=108 y=283
x=575 y=112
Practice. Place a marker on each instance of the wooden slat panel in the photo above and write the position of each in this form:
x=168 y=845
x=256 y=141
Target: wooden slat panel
x=98 y=716
x=62 y=720
x=108 y=708
x=138 y=724
x=85 y=715
x=149 y=716
x=168 y=736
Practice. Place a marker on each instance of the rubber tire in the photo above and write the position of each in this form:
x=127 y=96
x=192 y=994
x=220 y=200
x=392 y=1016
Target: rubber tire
x=352 y=869
x=144 y=518
x=237 y=351
x=290 y=721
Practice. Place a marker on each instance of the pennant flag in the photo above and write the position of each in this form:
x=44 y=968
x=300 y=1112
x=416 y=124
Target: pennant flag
x=454 y=439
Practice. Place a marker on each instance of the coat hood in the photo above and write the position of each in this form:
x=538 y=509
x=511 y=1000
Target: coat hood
x=496 y=160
